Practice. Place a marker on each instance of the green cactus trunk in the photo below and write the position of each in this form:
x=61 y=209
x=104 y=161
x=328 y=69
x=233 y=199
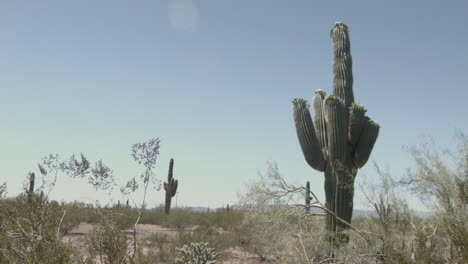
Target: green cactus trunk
x=339 y=139
x=32 y=179
x=307 y=197
x=171 y=188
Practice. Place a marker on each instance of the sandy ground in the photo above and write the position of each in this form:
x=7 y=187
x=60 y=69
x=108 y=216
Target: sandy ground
x=232 y=255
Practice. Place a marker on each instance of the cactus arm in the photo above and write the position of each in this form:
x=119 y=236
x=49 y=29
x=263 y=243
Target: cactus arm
x=342 y=64
x=337 y=129
x=306 y=133
x=366 y=142
x=356 y=122
x=319 y=121
x=174 y=188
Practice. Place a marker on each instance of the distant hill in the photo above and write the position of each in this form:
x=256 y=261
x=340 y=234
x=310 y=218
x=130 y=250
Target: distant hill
x=356 y=212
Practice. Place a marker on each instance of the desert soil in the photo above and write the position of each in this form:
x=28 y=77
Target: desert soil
x=230 y=256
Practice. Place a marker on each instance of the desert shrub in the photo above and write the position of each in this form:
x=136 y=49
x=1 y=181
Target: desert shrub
x=122 y=217
x=181 y=218
x=275 y=229
x=392 y=215
x=3 y=190
x=158 y=250
x=219 y=239
x=76 y=214
x=161 y=248
x=154 y=216
x=225 y=220
x=276 y=226
x=30 y=232
x=108 y=242
x=439 y=180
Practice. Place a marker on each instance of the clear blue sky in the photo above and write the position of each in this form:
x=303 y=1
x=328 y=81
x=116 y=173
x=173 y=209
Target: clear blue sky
x=214 y=80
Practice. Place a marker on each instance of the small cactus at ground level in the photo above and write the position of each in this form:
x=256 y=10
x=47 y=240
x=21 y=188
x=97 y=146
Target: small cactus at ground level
x=171 y=187
x=196 y=253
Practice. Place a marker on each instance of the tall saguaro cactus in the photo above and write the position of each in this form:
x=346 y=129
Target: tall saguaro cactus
x=32 y=179
x=171 y=187
x=307 y=197
x=339 y=139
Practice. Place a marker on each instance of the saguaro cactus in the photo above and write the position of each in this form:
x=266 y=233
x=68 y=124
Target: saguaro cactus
x=171 y=187
x=339 y=139
x=307 y=197
x=32 y=178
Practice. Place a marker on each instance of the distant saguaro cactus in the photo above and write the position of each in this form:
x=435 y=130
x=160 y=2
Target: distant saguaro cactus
x=307 y=197
x=32 y=178
x=171 y=187
x=340 y=138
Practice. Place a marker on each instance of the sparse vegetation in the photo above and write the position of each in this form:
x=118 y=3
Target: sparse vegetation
x=273 y=222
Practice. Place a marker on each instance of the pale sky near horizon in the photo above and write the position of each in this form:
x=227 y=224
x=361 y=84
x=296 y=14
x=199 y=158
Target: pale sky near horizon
x=214 y=80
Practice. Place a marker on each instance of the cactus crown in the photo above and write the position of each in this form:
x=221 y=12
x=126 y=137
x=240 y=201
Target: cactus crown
x=339 y=25
x=300 y=101
x=342 y=25
x=321 y=92
x=332 y=98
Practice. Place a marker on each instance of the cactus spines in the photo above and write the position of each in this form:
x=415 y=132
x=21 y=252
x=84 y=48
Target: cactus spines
x=340 y=138
x=307 y=197
x=356 y=122
x=170 y=187
x=337 y=128
x=319 y=118
x=342 y=64
x=307 y=137
x=366 y=142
